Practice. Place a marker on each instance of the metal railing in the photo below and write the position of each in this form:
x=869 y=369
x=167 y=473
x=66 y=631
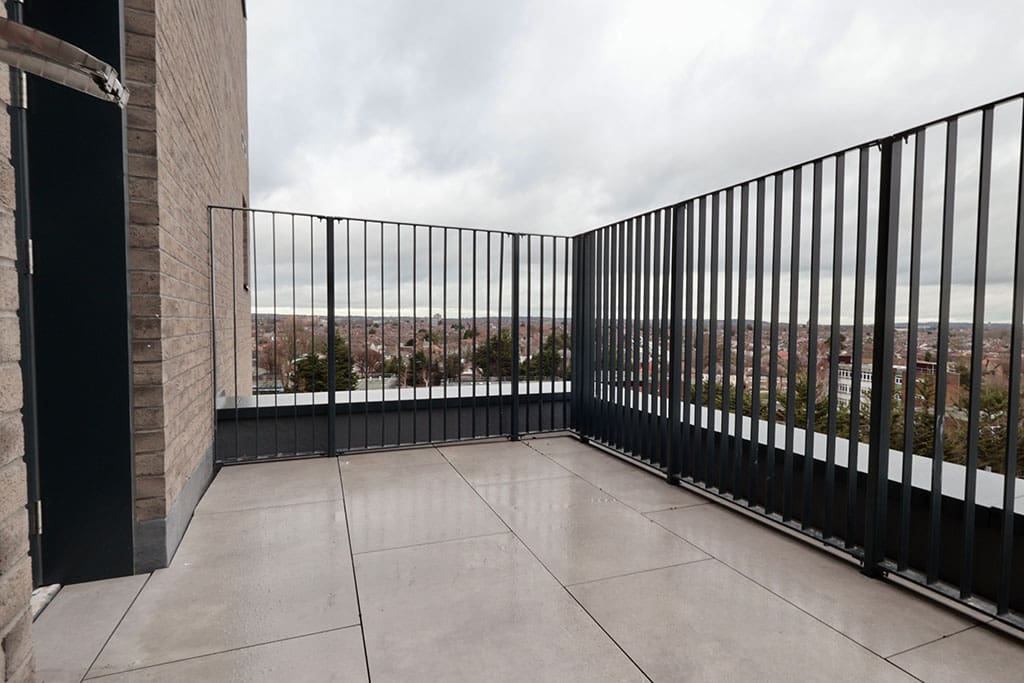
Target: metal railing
x=739 y=360
x=836 y=346
x=368 y=334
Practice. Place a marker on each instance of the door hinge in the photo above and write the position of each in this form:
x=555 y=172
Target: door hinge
x=21 y=100
x=38 y=526
x=26 y=257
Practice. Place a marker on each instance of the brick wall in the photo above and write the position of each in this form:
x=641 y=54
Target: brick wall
x=202 y=135
x=144 y=258
x=15 y=566
x=187 y=139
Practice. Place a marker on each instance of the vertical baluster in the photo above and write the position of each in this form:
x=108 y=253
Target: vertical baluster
x=1006 y=576
x=812 y=350
x=835 y=338
x=741 y=345
x=977 y=353
x=792 y=344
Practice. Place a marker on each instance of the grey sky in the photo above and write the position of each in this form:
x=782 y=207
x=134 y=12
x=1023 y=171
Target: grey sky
x=560 y=116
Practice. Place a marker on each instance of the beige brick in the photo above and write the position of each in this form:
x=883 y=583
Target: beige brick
x=140 y=259
x=142 y=166
x=13 y=538
x=148 y=418
x=144 y=350
x=149 y=487
x=3 y=665
x=12 y=446
x=24 y=673
x=149 y=442
x=136 y=45
x=10 y=339
x=144 y=282
x=147 y=373
x=147 y=305
x=8 y=287
x=10 y=387
x=144 y=213
x=146 y=328
x=15 y=591
x=8 y=247
x=141 y=141
x=17 y=645
x=145 y=189
x=139 y=21
x=7 y=187
x=13 y=488
x=149 y=465
x=148 y=397
x=142 y=71
x=150 y=508
x=142 y=94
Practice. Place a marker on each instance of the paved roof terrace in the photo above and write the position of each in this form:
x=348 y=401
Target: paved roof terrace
x=543 y=559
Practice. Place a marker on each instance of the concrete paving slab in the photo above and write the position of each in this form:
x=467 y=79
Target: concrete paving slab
x=392 y=508
x=266 y=484
x=73 y=628
x=241 y=579
x=882 y=617
x=478 y=609
x=581 y=533
x=976 y=654
x=401 y=459
x=331 y=656
x=485 y=464
x=705 y=622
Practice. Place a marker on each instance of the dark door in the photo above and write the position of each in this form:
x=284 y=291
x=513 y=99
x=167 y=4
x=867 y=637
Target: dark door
x=77 y=165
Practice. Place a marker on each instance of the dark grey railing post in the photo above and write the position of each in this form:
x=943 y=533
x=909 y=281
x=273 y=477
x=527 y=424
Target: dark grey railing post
x=1006 y=573
x=883 y=332
x=587 y=332
x=516 y=265
x=332 y=368
x=579 y=327
x=213 y=327
x=974 y=426
x=675 y=348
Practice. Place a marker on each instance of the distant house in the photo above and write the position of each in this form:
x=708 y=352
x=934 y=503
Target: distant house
x=924 y=370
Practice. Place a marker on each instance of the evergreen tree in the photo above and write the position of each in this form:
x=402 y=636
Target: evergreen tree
x=547 y=362
x=452 y=367
x=394 y=366
x=419 y=373
x=309 y=372
x=494 y=357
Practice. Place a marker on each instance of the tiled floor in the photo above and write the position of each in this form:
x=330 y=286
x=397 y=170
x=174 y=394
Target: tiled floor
x=543 y=560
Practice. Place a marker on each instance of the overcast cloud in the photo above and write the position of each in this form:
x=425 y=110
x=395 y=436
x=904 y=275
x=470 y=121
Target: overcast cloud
x=557 y=117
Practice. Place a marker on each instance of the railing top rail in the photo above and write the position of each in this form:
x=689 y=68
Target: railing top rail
x=383 y=221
